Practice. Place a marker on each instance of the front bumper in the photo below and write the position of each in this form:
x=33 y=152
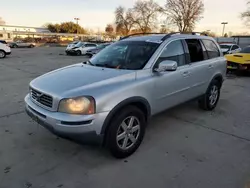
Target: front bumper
x=71 y=52
x=77 y=127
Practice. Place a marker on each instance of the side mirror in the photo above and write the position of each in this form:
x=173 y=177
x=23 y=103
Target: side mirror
x=166 y=65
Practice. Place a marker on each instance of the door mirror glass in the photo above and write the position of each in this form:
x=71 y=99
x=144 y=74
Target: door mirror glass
x=166 y=65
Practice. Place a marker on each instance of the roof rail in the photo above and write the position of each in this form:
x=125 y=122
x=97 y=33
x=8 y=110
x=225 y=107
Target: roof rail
x=139 y=34
x=188 y=33
x=166 y=35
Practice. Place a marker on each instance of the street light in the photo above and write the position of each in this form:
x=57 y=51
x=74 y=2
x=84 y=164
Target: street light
x=224 y=24
x=77 y=19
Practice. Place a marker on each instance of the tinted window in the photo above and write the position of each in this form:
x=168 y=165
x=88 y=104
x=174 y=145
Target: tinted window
x=90 y=45
x=246 y=50
x=235 y=47
x=212 y=49
x=173 y=51
x=223 y=46
x=195 y=49
x=131 y=55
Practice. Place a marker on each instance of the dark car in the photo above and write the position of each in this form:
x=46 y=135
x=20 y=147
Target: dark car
x=3 y=42
x=96 y=50
x=13 y=45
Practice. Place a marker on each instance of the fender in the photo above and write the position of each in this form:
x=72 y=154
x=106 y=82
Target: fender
x=122 y=104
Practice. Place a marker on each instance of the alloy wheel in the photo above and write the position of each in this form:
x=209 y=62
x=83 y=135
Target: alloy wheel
x=128 y=133
x=213 y=95
x=1 y=54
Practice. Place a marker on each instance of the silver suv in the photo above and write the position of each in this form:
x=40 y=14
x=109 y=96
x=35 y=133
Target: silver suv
x=110 y=98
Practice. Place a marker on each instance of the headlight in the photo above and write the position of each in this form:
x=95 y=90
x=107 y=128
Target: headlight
x=79 y=105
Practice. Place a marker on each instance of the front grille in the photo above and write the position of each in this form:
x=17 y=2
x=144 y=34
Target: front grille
x=41 y=98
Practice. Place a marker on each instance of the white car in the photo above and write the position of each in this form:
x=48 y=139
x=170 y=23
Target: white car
x=72 y=45
x=4 y=50
x=229 y=48
x=80 y=48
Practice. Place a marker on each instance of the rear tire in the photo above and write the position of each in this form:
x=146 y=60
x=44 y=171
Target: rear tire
x=209 y=101
x=2 y=54
x=32 y=46
x=78 y=52
x=126 y=132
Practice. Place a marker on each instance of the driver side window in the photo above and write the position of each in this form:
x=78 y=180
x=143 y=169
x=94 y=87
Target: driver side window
x=173 y=51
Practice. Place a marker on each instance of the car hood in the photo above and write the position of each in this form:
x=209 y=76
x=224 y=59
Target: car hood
x=69 y=81
x=239 y=58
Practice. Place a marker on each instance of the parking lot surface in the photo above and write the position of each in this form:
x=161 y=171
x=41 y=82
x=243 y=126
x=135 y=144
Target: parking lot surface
x=183 y=147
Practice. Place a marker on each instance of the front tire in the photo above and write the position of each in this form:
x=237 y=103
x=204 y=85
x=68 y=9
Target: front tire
x=210 y=99
x=2 y=54
x=126 y=132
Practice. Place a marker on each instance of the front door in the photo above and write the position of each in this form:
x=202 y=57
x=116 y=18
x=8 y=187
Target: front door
x=172 y=87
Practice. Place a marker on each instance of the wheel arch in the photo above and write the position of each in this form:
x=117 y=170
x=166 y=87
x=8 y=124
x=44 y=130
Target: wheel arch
x=139 y=102
x=219 y=78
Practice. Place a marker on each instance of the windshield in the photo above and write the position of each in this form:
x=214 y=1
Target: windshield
x=246 y=50
x=131 y=55
x=225 y=46
x=79 y=44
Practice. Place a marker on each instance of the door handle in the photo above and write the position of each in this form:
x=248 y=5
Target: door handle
x=210 y=66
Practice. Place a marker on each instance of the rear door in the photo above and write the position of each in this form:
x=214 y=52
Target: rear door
x=200 y=65
x=87 y=47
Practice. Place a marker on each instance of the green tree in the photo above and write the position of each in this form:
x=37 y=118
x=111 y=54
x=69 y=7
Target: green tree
x=66 y=27
x=226 y=35
x=184 y=14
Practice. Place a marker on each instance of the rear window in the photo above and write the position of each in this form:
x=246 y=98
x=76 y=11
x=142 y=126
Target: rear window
x=211 y=48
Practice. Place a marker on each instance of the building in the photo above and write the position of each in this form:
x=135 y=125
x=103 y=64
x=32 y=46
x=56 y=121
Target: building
x=8 y=32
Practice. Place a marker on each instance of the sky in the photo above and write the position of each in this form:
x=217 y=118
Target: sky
x=96 y=14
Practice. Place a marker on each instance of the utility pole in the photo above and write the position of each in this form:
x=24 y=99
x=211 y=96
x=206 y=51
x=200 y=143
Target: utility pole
x=224 y=24
x=77 y=19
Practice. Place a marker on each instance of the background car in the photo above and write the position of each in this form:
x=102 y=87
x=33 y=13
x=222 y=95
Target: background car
x=72 y=45
x=4 y=49
x=239 y=61
x=229 y=48
x=96 y=50
x=3 y=42
x=81 y=48
x=22 y=44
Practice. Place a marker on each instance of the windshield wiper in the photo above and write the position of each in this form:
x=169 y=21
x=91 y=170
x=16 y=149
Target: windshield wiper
x=105 y=65
x=88 y=62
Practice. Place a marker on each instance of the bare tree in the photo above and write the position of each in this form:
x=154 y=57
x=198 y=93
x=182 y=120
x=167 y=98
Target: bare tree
x=145 y=14
x=184 y=13
x=124 y=20
x=246 y=15
x=2 y=22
